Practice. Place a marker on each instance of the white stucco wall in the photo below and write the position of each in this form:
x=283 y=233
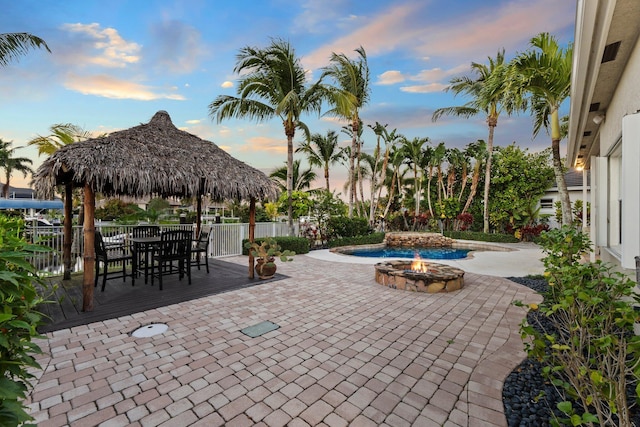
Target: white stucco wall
x=626 y=100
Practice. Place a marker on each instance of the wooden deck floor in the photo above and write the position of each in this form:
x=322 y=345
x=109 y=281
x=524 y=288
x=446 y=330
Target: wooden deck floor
x=120 y=298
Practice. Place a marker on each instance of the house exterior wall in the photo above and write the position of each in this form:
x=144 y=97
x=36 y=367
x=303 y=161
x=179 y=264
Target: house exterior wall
x=619 y=136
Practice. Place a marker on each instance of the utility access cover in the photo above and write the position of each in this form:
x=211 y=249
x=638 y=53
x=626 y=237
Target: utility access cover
x=150 y=330
x=259 y=329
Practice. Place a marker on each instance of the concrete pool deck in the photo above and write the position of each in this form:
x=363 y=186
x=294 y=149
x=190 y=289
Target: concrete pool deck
x=347 y=352
x=523 y=259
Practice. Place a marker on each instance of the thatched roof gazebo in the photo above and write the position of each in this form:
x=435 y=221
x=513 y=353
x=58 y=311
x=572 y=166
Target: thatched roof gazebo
x=155 y=158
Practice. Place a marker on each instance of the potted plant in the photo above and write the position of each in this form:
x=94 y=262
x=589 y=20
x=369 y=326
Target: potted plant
x=266 y=253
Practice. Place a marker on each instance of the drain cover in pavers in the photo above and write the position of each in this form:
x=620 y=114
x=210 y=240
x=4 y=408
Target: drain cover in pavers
x=259 y=329
x=150 y=330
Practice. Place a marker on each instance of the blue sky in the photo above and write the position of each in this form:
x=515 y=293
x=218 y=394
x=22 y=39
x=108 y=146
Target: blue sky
x=115 y=63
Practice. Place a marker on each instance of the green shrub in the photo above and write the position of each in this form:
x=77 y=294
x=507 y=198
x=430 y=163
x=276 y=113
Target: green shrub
x=368 y=239
x=591 y=354
x=18 y=321
x=342 y=226
x=299 y=245
x=484 y=237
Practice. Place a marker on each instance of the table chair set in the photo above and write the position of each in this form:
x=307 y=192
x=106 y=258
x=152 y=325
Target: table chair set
x=152 y=253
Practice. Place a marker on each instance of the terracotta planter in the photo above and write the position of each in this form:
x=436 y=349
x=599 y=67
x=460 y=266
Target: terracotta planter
x=265 y=270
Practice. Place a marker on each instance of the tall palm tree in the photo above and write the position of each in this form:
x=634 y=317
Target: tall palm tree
x=415 y=157
x=389 y=139
x=491 y=95
x=12 y=164
x=15 y=45
x=347 y=97
x=396 y=158
x=272 y=83
x=478 y=151
x=545 y=72
x=302 y=179
x=323 y=151
x=61 y=134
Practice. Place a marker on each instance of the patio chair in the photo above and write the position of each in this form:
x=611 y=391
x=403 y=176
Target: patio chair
x=172 y=255
x=108 y=255
x=201 y=246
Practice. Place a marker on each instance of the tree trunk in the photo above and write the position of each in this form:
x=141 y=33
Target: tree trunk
x=326 y=176
x=68 y=231
x=492 y=122
x=252 y=228
x=352 y=165
x=289 y=129
x=474 y=187
x=390 y=196
x=89 y=248
x=567 y=216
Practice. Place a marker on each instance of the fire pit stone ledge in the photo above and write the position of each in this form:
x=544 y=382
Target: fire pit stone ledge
x=438 y=277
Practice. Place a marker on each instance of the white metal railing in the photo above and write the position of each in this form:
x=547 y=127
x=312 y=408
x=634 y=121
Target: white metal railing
x=225 y=240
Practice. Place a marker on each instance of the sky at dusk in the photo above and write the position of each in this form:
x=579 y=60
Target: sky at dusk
x=115 y=63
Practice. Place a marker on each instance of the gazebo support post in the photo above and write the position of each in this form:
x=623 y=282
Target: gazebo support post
x=89 y=248
x=252 y=232
x=199 y=208
x=68 y=230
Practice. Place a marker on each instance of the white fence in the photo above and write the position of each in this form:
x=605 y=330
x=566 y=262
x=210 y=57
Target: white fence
x=225 y=240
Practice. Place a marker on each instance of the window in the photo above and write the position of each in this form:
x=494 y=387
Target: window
x=546 y=203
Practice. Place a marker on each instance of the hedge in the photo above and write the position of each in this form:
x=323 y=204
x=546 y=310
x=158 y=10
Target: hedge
x=299 y=245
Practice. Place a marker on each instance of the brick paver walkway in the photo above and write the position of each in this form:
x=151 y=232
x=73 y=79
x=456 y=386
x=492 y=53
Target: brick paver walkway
x=348 y=352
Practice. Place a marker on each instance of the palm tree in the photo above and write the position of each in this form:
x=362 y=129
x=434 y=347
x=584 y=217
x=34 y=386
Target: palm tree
x=61 y=134
x=12 y=164
x=323 y=151
x=490 y=95
x=14 y=45
x=545 y=73
x=478 y=151
x=272 y=84
x=415 y=156
x=347 y=97
x=389 y=139
x=302 y=179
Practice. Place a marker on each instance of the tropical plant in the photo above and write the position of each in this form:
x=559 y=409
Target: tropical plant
x=584 y=333
x=491 y=94
x=302 y=179
x=389 y=139
x=12 y=164
x=349 y=94
x=323 y=151
x=519 y=180
x=61 y=134
x=18 y=321
x=544 y=72
x=15 y=45
x=269 y=250
x=272 y=84
x=416 y=156
x=476 y=150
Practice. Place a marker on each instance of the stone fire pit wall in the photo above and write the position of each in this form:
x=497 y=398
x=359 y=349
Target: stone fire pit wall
x=413 y=240
x=438 y=278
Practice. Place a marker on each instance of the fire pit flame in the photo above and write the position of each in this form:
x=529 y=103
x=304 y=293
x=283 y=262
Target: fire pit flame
x=419 y=266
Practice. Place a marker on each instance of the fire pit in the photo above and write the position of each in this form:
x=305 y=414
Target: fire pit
x=419 y=276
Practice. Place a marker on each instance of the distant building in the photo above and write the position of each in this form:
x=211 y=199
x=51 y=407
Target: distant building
x=23 y=199
x=574 y=180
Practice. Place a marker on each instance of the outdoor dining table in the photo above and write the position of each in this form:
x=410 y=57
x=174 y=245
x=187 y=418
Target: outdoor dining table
x=143 y=246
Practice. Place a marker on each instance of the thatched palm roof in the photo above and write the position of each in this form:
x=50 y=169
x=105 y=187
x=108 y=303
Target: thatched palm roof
x=153 y=158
